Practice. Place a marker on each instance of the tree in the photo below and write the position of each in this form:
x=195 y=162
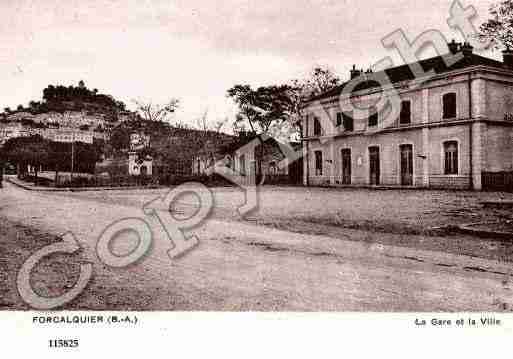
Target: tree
x=120 y=138
x=33 y=105
x=156 y=112
x=23 y=151
x=262 y=108
x=202 y=122
x=498 y=30
x=86 y=156
x=61 y=98
x=59 y=157
x=318 y=81
x=206 y=125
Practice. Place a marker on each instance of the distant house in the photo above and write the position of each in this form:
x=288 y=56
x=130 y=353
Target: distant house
x=12 y=130
x=252 y=160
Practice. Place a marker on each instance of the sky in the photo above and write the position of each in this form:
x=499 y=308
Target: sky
x=154 y=50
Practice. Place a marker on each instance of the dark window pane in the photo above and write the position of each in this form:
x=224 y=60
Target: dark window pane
x=348 y=121
x=449 y=105
x=317 y=127
x=373 y=117
x=405 y=116
x=318 y=163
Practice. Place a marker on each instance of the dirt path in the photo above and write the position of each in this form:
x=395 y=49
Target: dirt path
x=408 y=218
x=243 y=267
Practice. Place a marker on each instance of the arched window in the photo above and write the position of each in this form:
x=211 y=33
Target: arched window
x=451 y=158
x=449 y=105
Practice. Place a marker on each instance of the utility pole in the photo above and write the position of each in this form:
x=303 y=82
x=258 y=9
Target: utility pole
x=72 y=155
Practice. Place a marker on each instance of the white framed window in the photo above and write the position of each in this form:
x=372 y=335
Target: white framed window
x=451 y=157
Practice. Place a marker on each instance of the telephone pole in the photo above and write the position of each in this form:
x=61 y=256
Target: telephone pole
x=72 y=155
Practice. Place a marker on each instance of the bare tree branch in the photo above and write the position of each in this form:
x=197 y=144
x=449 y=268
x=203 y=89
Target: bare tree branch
x=157 y=112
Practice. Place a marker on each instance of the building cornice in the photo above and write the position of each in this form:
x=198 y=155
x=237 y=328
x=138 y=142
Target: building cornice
x=477 y=71
x=408 y=128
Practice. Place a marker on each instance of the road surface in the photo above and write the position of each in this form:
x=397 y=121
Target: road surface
x=239 y=266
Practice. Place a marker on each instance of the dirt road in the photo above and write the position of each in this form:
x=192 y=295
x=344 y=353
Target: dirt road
x=238 y=266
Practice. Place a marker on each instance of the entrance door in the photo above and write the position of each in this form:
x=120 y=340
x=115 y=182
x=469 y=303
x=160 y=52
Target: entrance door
x=374 y=170
x=346 y=166
x=406 y=165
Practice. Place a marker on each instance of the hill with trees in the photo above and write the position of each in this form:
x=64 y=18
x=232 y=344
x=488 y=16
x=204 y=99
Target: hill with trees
x=59 y=98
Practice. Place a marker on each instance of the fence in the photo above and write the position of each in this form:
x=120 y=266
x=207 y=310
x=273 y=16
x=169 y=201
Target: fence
x=497 y=181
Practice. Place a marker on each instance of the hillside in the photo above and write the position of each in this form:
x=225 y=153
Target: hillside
x=72 y=106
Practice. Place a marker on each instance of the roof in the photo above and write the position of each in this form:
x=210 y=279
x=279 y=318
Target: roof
x=404 y=73
x=269 y=142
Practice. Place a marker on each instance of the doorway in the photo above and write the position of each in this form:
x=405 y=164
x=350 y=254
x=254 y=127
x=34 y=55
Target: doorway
x=406 y=165
x=346 y=166
x=374 y=170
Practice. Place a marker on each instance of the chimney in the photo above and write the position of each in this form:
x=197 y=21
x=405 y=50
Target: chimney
x=507 y=58
x=354 y=72
x=453 y=46
x=467 y=49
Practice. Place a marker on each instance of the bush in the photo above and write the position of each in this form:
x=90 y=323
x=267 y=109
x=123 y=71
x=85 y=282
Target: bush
x=101 y=181
x=214 y=180
x=41 y=181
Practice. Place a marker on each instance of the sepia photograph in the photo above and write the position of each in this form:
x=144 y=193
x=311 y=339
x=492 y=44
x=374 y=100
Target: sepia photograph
x=240 y=157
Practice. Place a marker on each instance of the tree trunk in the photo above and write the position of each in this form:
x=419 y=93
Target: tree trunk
x=35 y=174
x=258 y=167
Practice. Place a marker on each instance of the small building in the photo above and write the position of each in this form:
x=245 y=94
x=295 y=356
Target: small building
x=139 y=166
x=252 y=157
x=12 y=130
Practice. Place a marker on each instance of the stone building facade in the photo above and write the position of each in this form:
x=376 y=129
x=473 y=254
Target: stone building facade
x=453 y=128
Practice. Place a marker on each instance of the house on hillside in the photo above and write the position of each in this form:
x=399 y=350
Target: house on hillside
x=454 y=129
x=12 y=130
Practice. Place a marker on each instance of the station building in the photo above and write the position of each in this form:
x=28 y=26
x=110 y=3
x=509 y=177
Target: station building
x=454 y=129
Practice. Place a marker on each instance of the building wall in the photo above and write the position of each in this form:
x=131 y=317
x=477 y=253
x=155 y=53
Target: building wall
x=499 y=148
x=435 y=99
x=484 y=145
x=389 y=145
x=499 y=97
x=437 y=137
